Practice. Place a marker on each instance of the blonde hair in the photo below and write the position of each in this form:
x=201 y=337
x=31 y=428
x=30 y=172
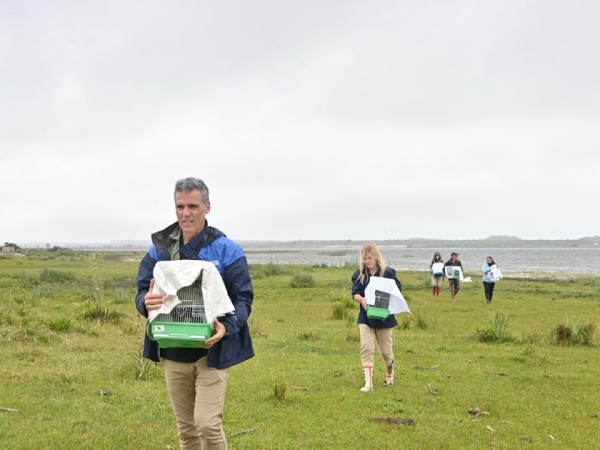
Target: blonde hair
x=371 y=249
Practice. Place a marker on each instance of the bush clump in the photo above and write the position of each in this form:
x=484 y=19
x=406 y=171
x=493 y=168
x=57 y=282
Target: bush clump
x=56 y=276
x=302 y=281
x=60 y=324
x=93 y=311
x=573 y=332
x=495 y=330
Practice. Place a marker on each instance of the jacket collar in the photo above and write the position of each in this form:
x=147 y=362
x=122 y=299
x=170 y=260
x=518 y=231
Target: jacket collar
x=168 y=241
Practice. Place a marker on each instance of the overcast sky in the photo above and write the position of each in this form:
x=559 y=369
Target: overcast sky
x=308 y=120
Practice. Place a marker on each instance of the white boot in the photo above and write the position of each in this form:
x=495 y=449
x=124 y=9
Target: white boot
x=389 y=376
x=368 y=371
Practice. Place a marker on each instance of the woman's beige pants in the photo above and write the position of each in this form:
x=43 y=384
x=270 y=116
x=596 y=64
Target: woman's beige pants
x=384 y=338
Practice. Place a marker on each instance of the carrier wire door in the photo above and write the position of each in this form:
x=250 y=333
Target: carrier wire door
x=381 y=309
x=185 y=325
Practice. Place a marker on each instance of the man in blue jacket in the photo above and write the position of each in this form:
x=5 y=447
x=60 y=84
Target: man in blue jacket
x=197 y=377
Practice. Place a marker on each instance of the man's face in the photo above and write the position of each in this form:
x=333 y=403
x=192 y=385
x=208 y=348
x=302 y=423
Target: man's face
x=191 y=213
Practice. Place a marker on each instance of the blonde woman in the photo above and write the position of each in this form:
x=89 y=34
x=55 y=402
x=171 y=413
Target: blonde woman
x=371 y=263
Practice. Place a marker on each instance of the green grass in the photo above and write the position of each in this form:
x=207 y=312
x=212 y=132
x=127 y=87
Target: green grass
x=69 y=330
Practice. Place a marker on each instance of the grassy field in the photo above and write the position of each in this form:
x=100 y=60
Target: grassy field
x=469 y=375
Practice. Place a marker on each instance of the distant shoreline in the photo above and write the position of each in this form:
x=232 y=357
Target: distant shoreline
x=505 y=242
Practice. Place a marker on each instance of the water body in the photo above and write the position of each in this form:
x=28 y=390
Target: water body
x=512 y=261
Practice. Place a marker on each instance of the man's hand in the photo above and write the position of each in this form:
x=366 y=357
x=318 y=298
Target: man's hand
x=220 y=332
x=153 y=300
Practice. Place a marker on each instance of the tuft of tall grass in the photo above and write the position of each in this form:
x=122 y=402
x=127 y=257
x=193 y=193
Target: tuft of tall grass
x=405 y=321
x=308 y=336
x=28 y=280
x=266 y=270
x=343 y=307
x=495 y=330
x=56 y=276
x=425 y=278
x=26 y=332
x=573 y=332
x=531 y=337
x=6 y=318
x=120 y=296
x=35 y=294
x=302 y=281
x=280 y=390
x=96 y=311
x=529 y=349
x=142 y=368
x=60 y=324
x=420 y=321
x=339 y=312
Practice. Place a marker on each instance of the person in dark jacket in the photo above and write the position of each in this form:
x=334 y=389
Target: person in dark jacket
x=371 y=263
x=454 y=281
x=197 y=377
x=436 y=273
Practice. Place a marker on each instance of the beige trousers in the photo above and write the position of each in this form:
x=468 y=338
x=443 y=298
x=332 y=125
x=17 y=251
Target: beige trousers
x=436 y=281
x=384 y=338
x=197 y=395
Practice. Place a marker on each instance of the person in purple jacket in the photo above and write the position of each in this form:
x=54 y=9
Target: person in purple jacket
x=372 y=263
x=196 y=377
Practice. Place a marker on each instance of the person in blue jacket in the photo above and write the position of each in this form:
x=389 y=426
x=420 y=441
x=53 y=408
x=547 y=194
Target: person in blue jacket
x=488 y=284
x=372 y=263
x=196 y=378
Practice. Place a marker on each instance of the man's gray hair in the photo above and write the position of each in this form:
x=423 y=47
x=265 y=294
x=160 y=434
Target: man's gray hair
x=192 y=184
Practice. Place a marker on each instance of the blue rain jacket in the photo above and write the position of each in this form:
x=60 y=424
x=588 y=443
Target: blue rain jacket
x=210 y=245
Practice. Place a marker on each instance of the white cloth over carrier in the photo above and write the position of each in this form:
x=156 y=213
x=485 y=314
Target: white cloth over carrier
x=397 y=303
x=437 y=269
x=454 y=273
x=495 y=274
x=170 y=276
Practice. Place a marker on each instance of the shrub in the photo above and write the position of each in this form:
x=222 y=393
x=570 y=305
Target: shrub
x=495 y=330
x=573 y=332
x=302 y=281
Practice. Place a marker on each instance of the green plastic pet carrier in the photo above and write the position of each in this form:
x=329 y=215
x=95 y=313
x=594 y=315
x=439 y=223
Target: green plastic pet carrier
x=185 y=326
x=381 y=309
